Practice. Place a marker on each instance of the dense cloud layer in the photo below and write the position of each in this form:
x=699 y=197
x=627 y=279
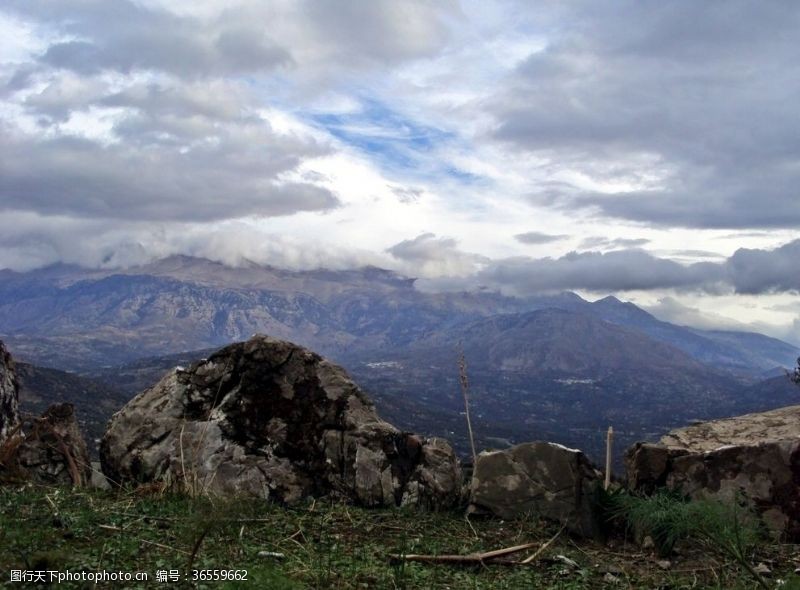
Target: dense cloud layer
x=134 y=112
x=427 y=255
x=702 y=94
x=155 y=178
x=236 y=38
x=444 y=139
x=748 y=271
x=758 y=271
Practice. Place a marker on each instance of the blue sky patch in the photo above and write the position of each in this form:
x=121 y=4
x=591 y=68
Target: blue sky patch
x=394 y=142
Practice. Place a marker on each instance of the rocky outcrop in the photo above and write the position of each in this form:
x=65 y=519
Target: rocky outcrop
x=268 y=418
x=539 y=478
x=9 y=394
x=52 y=450
x=755 y=456
x=47 y=450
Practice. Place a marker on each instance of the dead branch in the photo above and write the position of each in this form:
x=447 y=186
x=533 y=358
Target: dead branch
x=109 y=527
x=542 y=549
x=469 y=558
x=74 y=472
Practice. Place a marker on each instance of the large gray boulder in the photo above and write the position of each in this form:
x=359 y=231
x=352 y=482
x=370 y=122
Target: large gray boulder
x=537 y=479
x=755 y=457
x=9 y=395
x=272 y=419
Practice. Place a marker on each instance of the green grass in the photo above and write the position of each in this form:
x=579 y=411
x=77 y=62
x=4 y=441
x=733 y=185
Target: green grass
x=324 y=545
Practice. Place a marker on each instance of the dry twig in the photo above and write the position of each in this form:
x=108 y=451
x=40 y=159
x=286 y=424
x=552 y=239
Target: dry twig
x=469 y=558
x=542 y=549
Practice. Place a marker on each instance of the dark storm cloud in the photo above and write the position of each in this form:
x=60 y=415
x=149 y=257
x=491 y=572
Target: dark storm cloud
x=621 y=270
x=383 y=30
x=151 y=177
x=178 y=93
x=187 y=148
x=704 y=93
x=535 y=237
x=755 y=271
x=760 y=199
x=746 y=272
x=175 y=151
x=125 y=36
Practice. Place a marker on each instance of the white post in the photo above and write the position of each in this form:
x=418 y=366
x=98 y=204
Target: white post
x=609 y=454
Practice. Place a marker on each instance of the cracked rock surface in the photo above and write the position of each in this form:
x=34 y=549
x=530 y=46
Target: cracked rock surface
x=9 y=394
x=754 y=456
x=49 y=449
x=269 y=418
x=537 y=478
x=53 y=451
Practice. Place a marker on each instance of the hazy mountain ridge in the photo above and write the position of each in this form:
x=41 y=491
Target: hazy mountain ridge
x=112 y=317
x=95 y=401
x=183 y=303
x=529 y=381
x=742 y=352
x=555 y=366
x=558 y=375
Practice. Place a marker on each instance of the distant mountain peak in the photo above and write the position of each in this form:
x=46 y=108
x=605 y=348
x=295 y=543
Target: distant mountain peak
x=617 y=306
x=179 y=261
x=611 y=299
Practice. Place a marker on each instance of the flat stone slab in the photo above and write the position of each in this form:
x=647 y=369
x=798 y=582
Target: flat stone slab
x=754 y=456
x=776 y=425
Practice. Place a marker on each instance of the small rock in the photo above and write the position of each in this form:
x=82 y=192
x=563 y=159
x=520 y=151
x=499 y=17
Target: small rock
x=664 y=564
x=611 y=578
x=567 y=561
x=763 y=568
x=613 y=569
x=98 y=480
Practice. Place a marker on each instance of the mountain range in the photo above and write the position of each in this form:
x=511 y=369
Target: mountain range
x=553 y=366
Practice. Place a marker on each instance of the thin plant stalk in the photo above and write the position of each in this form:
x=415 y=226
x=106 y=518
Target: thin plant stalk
x=462 y=375
x=609 y=456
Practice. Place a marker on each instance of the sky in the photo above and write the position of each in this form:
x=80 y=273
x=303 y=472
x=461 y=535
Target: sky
x=643 y=148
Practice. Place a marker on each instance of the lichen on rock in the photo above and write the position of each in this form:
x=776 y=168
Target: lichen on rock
x=269 y=418
x=541 y=478
x=754 y=457
x=9 y=395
